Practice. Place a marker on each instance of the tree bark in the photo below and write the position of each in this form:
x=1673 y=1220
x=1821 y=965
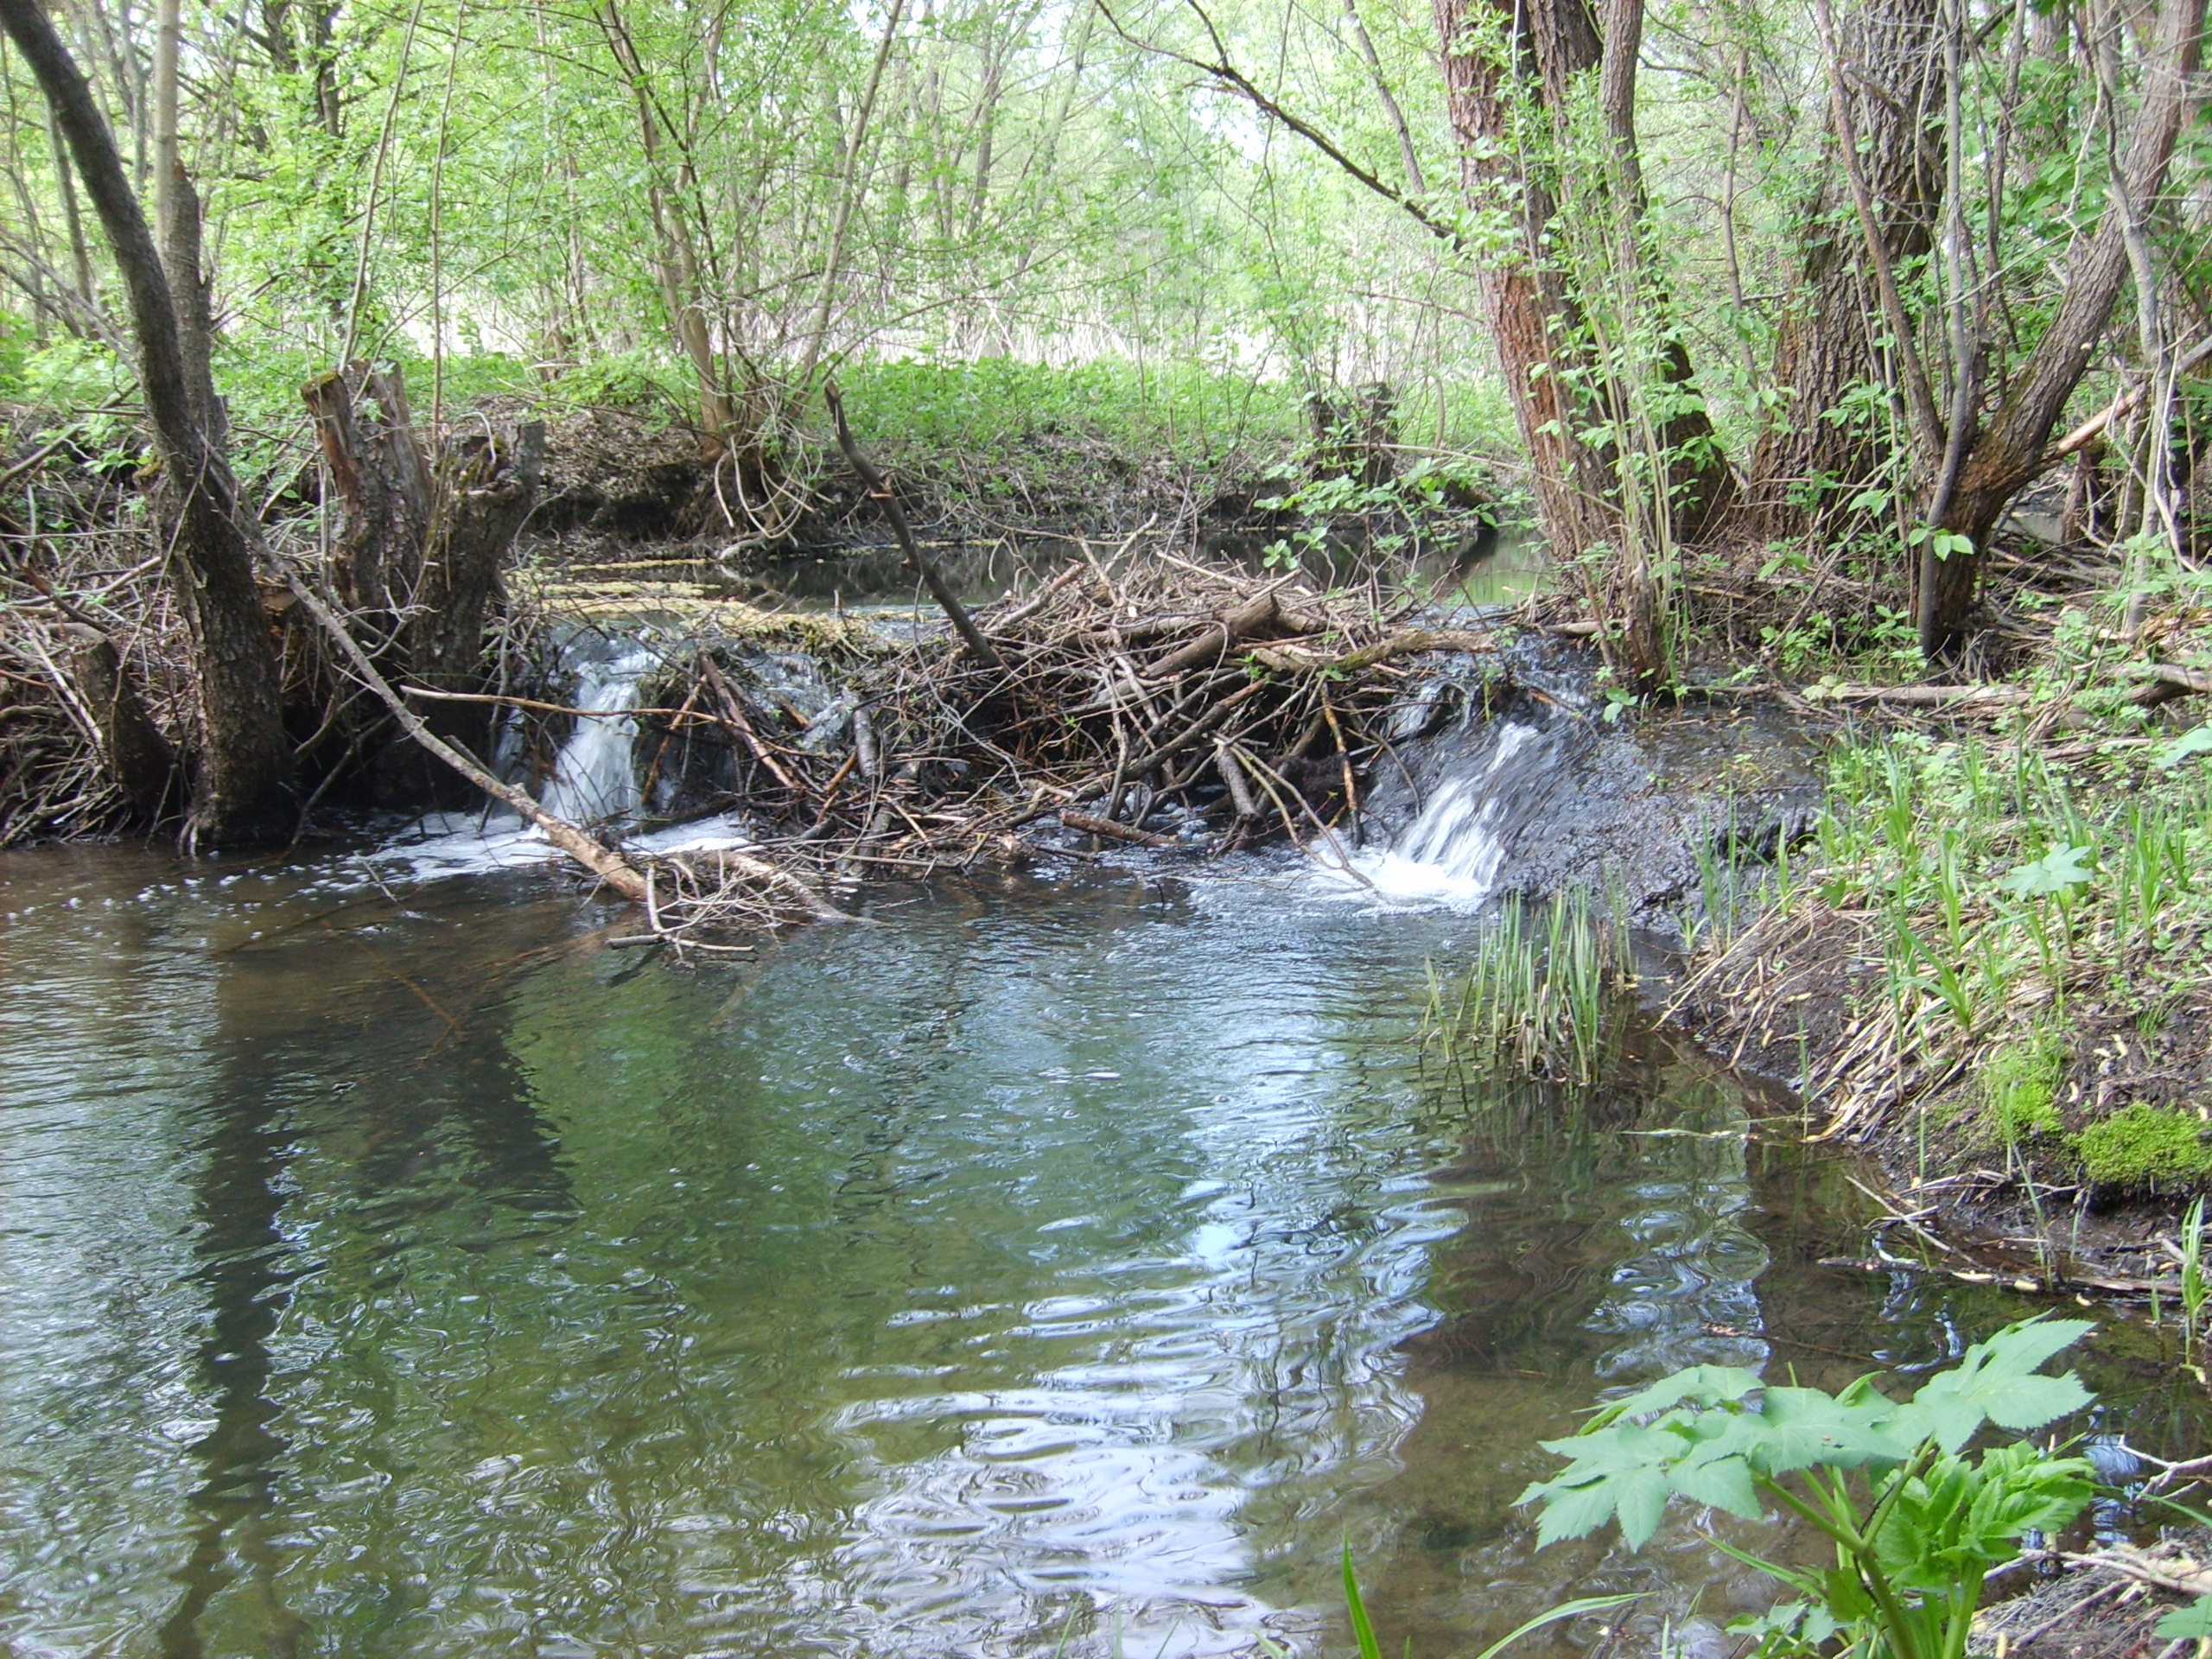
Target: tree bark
x=2009 y=451
x=1522 y=296
x=138 y=758
x=420 y=552
x=241 y=788
x=1809 y=467
x=1558 y=385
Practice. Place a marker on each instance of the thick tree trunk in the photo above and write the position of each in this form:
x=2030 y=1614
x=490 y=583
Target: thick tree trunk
x=2010 y=450
x=420 y=553
x=241 y=788
x=1522 y=296
x=1540 y=332
x=1809 y=467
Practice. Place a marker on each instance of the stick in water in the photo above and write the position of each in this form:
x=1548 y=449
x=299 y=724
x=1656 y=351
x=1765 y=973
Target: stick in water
x=608 y=866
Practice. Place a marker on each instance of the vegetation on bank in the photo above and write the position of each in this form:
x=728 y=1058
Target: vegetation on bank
x=1991 y=955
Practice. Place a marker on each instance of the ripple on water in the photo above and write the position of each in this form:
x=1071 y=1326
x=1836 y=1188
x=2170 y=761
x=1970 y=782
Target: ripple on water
x=396 y=1280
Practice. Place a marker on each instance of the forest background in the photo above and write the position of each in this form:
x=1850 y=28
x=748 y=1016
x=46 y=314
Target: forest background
x=1852 y=344
x=1811 y=288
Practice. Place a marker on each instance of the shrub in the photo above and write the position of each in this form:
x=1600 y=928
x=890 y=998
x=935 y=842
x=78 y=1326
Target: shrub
x=1917 y=1519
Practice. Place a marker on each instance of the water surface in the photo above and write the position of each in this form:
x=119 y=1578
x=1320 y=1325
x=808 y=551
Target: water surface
x=389 y=1268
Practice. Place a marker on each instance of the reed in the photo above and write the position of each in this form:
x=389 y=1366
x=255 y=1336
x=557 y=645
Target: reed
x=1539 y=995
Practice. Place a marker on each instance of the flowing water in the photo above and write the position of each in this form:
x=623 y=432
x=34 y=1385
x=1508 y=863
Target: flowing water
x=387 y=1267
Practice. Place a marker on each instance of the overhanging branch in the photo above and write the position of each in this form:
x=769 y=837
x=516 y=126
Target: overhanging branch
x=1227 y=76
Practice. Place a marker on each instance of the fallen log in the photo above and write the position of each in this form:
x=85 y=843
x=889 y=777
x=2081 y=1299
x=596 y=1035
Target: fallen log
x=2165 y=682
x=1259 y=615
x=1925 y=696
x=1113 y=831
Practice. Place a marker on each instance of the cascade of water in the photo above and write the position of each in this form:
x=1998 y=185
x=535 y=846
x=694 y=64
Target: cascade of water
x=594 y=778
x=1453 y=850
x=593 y=781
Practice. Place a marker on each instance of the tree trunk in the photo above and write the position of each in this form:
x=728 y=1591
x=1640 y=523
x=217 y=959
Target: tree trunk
x=1808 y=468
x=2009 y=451
x=138 y=758
x=1541 y=334
x=241 y=788
x=1522 y=296
x=420 y=553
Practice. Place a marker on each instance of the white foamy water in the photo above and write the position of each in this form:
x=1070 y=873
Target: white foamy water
x=1450 y=854
x=594 y=779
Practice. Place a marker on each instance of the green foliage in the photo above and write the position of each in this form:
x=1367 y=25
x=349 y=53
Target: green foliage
x=2143 y=1145
x=1998 y=887
x=2189 y=1624
x=1362 y=1627
x=2019 y=1086
x=1539 y=996
x=2196 y=740
x=2055 y=872
x=1916 y=1519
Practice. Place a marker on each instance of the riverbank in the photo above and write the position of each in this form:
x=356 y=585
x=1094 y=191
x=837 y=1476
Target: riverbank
x=1987 y=959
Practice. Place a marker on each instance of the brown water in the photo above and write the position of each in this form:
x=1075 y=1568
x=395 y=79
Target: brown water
x=388 y=1268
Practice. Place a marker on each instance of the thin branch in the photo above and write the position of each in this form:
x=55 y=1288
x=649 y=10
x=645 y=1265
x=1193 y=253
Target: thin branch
x=1230 y=78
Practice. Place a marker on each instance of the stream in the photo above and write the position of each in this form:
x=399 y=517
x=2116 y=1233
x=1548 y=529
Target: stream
x=1057 y=1263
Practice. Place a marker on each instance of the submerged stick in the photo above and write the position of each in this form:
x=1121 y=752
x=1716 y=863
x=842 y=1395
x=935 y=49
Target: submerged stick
x=962 y=624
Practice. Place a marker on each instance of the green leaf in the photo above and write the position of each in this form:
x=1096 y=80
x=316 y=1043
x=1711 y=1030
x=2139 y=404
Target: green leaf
x=2197 y=740
x=1723 y=1483
x=1565 y=1609
x=1700 y=1385
x=2055 y=872
x=1571 y=1511
x=1362 y=1628
x=1994 y=1381
x=1802 y=1428
x=2185 y=1623
x=1641 y=1495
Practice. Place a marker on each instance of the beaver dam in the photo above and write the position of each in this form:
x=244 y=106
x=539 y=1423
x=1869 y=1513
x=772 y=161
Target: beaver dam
x=412 y=1249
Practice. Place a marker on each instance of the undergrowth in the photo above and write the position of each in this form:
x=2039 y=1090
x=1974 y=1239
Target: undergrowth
x=2008 y=923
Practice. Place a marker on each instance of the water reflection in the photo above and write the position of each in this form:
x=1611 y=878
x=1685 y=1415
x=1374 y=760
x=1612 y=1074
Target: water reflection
x=424 y=1281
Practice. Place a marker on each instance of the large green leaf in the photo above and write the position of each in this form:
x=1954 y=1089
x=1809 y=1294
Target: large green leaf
x=1802 y=1428
x=1995 y=1382
x=2183 y=1623
x=1700 y=1385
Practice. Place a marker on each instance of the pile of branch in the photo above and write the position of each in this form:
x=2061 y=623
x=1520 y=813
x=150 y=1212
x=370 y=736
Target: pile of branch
x=1144 y=702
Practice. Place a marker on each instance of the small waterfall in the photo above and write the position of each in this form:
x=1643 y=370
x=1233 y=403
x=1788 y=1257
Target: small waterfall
x=1453 y=849
x=594 y=779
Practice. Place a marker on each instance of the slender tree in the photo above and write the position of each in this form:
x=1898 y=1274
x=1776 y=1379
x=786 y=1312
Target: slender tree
x=241 y=783
x=2008 y=451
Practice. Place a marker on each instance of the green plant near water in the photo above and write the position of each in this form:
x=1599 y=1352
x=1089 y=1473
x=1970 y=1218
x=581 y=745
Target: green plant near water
x=2001 y=893
x=1916 y=1519
x=1371 y=1646
x=1537 y=996
x=2194 y=1288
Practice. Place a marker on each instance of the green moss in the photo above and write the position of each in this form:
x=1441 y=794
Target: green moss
x=2143 y=1145
x=2019 y=1083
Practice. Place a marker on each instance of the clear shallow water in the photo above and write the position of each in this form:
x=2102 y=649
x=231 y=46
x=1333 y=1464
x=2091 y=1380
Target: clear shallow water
x=397 y=1271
